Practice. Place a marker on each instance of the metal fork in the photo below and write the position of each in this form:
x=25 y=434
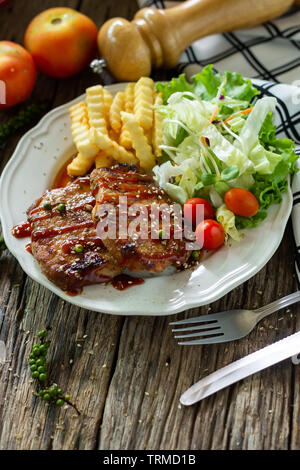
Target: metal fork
x=229 y=325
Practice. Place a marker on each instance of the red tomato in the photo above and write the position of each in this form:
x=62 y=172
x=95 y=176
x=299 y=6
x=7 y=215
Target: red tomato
x=210 y=234
x=241 y=202
x=190 y=209
x=17 y=74
x=62 y=41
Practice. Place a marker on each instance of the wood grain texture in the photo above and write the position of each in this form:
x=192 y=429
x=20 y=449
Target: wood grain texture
x=126 y=374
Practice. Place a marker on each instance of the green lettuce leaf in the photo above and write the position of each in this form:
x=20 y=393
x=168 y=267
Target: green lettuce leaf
x=176 y=84
x=250 y=222
x=206 y=85
x=227 y=219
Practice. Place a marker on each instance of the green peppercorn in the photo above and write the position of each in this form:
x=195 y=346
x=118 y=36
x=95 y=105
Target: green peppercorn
x=36 y=352
x=47 y=206
x=43 y=349
x=42 y=334
x=78 y=248
x=39 y=366
x=61 y=208
x=40 y=361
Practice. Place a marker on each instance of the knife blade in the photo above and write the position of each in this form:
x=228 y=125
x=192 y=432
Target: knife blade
x=242 y=368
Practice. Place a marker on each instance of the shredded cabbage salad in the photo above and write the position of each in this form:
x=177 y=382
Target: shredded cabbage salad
x=219 y=134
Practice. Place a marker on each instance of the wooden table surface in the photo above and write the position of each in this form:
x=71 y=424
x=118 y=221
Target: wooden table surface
x=126 y=373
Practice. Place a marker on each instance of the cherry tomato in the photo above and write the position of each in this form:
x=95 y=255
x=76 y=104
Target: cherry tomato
x=210 y=234
x=241 y=202
x=62 y=41
x=190 y=209
x=17 y=74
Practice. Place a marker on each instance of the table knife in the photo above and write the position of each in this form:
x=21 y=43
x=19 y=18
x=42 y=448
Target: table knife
x=242 y=368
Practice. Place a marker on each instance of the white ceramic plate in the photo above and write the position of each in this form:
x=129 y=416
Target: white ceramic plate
x=30 y=171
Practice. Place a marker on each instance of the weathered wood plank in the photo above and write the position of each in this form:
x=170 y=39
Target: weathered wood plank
x=81 y=358
x=127 y=374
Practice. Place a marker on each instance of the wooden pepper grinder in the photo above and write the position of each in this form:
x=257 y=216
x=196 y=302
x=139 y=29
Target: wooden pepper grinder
x=157 y=38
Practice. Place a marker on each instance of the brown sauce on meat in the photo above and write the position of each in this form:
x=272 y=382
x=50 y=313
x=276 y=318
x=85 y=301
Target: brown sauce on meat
x=51 y=232
x=87 y=243
x=22 y=230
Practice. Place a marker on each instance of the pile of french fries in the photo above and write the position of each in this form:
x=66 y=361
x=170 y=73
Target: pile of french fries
x=124 y=128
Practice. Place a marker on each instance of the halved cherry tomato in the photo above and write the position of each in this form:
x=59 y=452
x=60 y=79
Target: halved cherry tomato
x=210 y=234
x=190 y=209
x=241 y=202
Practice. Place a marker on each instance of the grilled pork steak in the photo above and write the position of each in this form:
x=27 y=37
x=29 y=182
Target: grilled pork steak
x=134 y=251
x=64 y=239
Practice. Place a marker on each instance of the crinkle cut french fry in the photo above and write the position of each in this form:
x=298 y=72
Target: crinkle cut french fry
x=143 y=102
x=157 y=135
x=139 y=141
x=112 y=148
x=115 y=111
x=125 y=140
x=80 y=130
x=86 y=149
x=96 y=108
x=108 y=99
x=129 y=98
x=102 y=160
x=80 y=165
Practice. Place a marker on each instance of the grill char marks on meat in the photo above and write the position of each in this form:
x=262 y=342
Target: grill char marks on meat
x=64 y=239
x=135 y=252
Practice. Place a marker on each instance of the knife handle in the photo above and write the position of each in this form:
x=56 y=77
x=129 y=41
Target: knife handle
x=157 y=37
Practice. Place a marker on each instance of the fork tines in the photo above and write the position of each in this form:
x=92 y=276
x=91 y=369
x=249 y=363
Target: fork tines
x=207 y=330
